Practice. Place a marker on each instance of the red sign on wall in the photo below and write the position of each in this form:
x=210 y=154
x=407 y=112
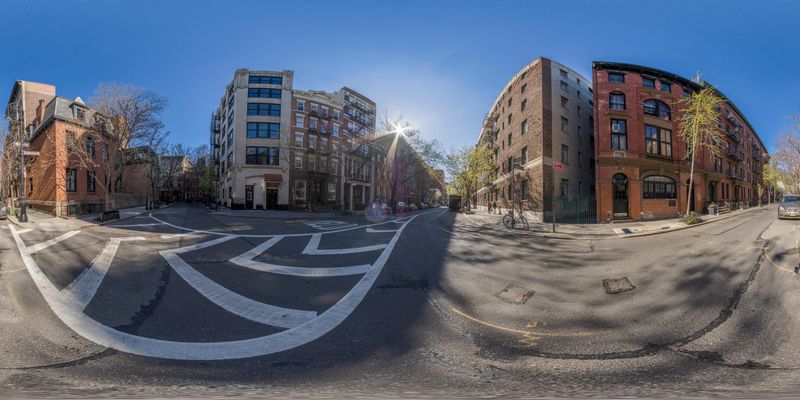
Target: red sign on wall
x=558 y=165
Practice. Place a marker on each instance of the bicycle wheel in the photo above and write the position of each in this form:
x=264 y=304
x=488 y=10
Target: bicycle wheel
x=508 y=221
x=523 y=222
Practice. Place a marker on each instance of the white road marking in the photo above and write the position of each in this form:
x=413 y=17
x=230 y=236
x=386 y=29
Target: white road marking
x=246 y=260
x=41 y=246
x=21 y=231
x=329 y=225
x=132 y=225
x=83 y=288
x=312 y=248
x=372 y=230
x=182 y=235
x=229 y=300
x=302 y=334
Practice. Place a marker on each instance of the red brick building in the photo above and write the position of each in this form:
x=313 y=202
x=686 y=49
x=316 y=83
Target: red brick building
x=642 y=170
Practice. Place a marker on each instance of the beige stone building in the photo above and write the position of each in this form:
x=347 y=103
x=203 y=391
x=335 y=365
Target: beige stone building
x=542 y=115
x=249 y=132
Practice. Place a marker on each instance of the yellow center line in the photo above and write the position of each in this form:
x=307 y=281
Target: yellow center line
x=13 y=270
x=13 y=297
x=521 y=332
x=773 y=262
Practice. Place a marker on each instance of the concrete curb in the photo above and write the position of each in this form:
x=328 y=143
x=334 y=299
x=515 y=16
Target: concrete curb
x=568 y=236
x=100 y=223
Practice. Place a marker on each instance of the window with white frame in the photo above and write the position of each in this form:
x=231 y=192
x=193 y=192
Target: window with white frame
x=299 y=139
x=337 y=114
x=335 y=130
x=299 y=120
x=314 y=107
x=312 y=123
x=298 y=161
x=312 y=141
x=301 y=105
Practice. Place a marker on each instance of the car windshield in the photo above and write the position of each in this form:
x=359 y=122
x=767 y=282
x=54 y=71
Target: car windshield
x=791 y=199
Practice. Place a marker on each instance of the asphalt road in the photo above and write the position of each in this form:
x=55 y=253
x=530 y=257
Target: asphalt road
x=420 y=305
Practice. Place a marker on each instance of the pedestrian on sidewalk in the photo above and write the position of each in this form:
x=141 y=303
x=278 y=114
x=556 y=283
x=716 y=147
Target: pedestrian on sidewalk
x=494 y=206
x=489 y=207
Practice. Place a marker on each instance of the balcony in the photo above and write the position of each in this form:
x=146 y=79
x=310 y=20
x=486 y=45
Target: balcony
x=215 y=123
x=732 y=153
x=361 y=107
x=733 y=135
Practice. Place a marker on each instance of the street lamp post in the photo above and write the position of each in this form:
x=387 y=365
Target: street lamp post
x=23 y=213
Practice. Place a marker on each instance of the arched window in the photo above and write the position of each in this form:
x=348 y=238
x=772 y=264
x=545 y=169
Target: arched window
x=90 y=147
x=658 y=109
x=659 y=187
x=616 y=101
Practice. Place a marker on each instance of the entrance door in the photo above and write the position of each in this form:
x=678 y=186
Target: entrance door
x=712 y=192
x=271 y=197
x=620 y=187
x=248 y=197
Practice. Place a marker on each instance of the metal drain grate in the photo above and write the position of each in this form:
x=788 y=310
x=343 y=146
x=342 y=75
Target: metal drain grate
x=514 y=294
x=614 y=286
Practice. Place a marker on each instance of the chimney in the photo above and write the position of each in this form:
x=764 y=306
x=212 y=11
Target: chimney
x=39 y=113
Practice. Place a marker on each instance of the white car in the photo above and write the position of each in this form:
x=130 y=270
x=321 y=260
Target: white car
x=3 y=212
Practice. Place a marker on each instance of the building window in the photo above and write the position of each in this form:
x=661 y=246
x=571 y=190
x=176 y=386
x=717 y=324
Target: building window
x=564 y=102
x=105 y=152
x=658 y=109
x=266 y=80
x=301 y=105
x=523 y=88
x=524 y=127
x=616 y=77
x=524 y=104
x=257 y=155
x=90 y=181
x=564 y=124
x=336 y=114
x=658 y=187
x=264 y=93
x=562 y=73
x=616 y=101
x=335 y=130
x=299 y=190
x=299 y=120
x=619 y=134
x=267 y=130
x=666 y=87
x=230 y=160
x=524 y=190
x=658 y=140
x=312 y=141
x=81 y=114
x=580 y=164
x=298 y=139
x=298 y=162
x=272 y=110
x=509 y=101
x=563 y=189
x=509 y=139
x=525 y=154
x=649 y=82
x=564 y=86
x=90 y=147
x=565 y=154
x=509 y=119
x=687 y=93
x=72 y=180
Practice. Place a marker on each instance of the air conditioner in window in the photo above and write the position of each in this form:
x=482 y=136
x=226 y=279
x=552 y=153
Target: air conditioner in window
x=616 y=128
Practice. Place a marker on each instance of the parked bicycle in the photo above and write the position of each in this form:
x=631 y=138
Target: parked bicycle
x=512 y=220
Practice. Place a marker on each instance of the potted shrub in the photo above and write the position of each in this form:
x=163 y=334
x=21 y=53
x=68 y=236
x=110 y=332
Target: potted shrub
x=712 y=209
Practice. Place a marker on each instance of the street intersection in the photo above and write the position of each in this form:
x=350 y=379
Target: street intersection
x=425 y=298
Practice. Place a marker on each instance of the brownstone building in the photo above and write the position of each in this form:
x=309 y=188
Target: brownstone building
x=642 y=170
x=542 y=115
x=55 y=181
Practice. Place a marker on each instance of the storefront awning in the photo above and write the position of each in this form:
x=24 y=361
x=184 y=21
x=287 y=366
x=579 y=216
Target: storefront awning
x=273 y=178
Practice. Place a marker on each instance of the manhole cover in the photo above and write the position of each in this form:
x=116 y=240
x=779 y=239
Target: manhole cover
x=515 y=294
x=614 y=286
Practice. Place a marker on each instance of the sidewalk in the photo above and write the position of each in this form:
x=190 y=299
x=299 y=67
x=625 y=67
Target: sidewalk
x=601 y=231
x=46 y=222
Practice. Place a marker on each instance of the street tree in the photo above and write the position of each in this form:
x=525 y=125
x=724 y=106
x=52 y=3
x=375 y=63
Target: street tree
x=469 y=169
x=769 y=181
x=125 y=116
x=787 y=158
x=700 y=129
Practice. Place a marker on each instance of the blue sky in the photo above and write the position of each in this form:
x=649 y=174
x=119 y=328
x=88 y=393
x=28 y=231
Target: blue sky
x=439 y=63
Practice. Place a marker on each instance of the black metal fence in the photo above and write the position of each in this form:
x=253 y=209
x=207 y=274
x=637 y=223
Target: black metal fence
x=577 y=209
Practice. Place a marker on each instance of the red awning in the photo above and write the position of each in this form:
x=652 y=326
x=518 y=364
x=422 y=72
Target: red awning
x=273 y=178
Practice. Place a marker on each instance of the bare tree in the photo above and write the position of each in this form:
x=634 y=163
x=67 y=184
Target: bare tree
x=787 y=158
x=125 y=116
